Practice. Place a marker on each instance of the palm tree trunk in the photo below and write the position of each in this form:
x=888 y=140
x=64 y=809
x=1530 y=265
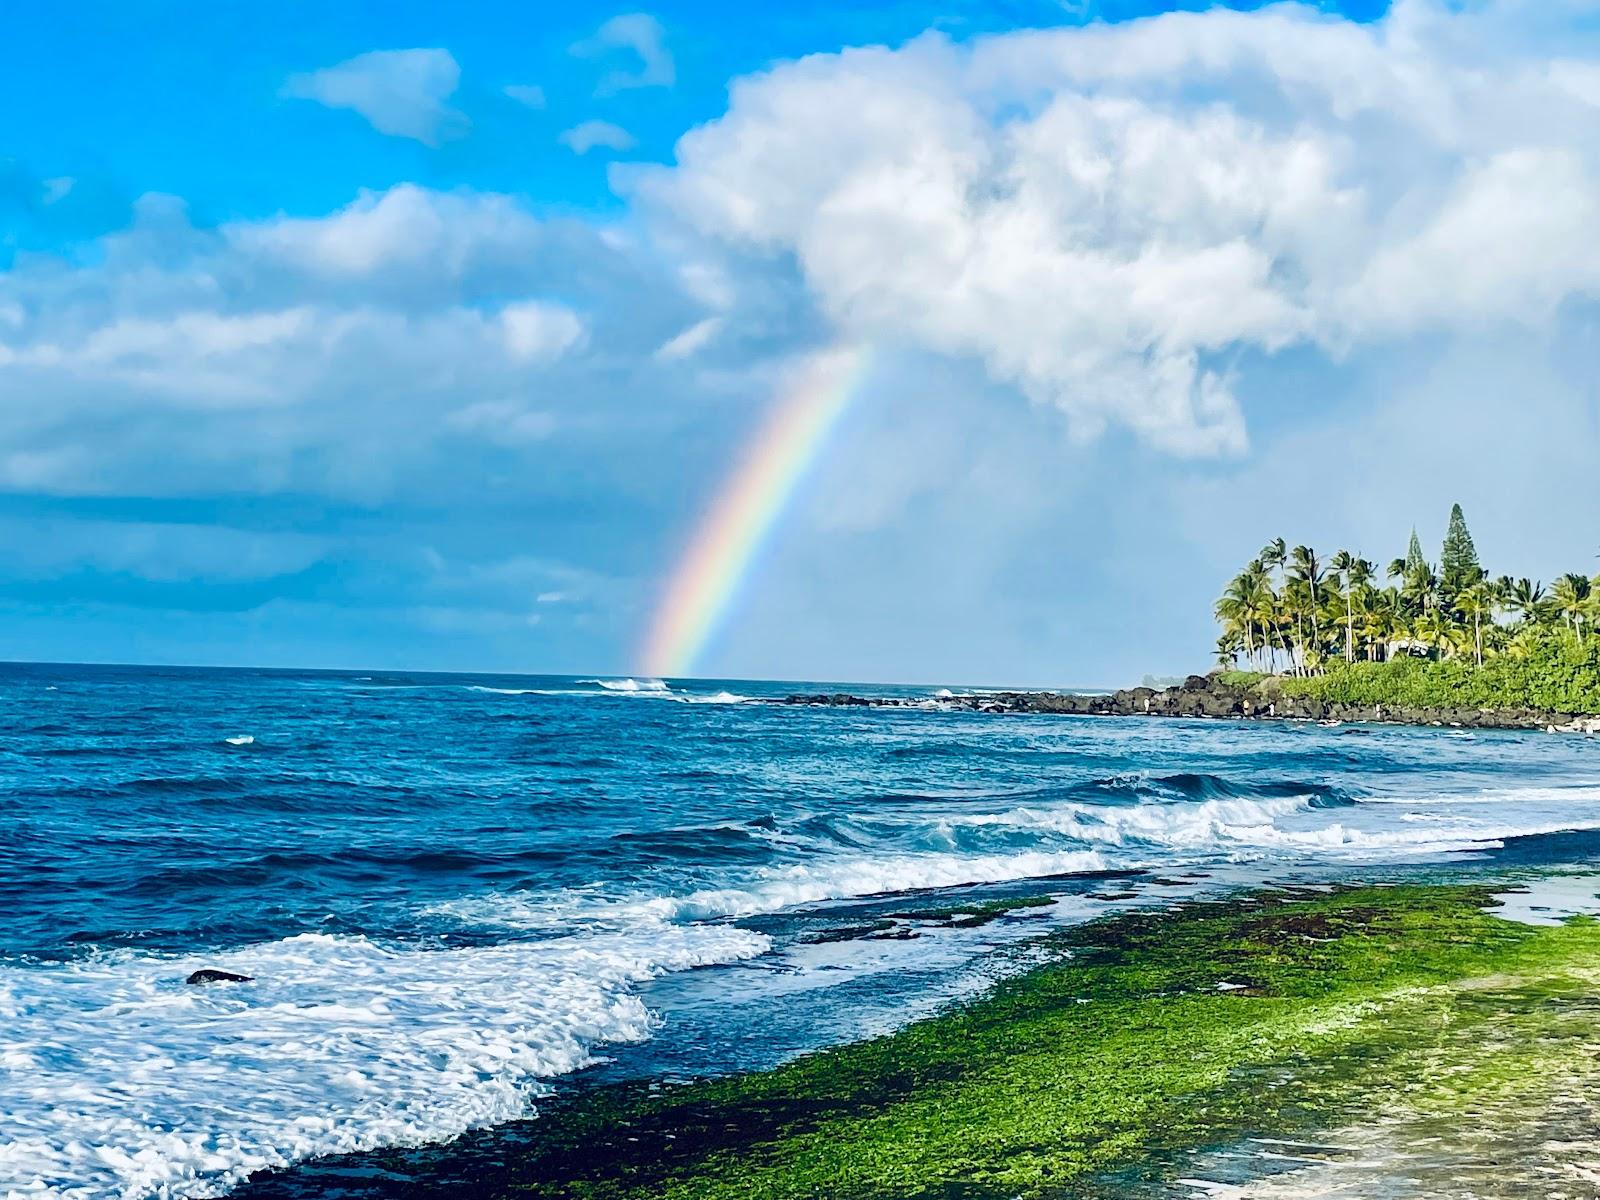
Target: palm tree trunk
x=1349 y=626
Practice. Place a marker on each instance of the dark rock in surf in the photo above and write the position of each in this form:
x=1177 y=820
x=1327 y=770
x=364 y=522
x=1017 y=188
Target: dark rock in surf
x=213 y=975
x=1210 y=697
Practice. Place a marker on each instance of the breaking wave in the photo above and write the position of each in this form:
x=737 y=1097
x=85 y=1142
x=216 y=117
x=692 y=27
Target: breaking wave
x=121 y=1070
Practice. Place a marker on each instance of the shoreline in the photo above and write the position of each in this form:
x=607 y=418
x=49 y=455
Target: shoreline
x=1142 y=1042
x=1210 y=697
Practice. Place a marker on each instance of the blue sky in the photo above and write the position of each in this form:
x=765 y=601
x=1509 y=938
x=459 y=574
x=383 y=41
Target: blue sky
x=184 y=99
x=406 y=335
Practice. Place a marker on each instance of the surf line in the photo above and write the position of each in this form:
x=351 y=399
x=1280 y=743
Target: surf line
x=721 y=554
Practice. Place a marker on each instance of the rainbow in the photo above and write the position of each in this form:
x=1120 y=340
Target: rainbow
x=721 y=554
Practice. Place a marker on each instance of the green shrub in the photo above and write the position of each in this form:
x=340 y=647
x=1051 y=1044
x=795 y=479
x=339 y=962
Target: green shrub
x=1239 y=679
x=1559 y=673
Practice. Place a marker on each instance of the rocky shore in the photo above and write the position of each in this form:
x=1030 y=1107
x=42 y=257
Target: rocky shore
x=1216 y=698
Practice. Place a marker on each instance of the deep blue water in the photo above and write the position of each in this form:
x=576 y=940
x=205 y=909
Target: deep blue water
x=452 y=890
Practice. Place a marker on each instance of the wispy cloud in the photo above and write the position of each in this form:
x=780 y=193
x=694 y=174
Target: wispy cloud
x=400 y=92
x=529 y=95
x=690 y=342
x=638 y=34
x=591 y=135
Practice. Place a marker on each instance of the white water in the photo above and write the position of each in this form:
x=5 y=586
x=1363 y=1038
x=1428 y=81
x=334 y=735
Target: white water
x=125 y=1081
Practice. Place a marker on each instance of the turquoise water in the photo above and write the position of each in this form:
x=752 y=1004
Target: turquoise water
x=453 y=892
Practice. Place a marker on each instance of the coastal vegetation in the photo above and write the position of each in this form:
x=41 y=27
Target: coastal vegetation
x=1427 y=634
x=1140 y=1037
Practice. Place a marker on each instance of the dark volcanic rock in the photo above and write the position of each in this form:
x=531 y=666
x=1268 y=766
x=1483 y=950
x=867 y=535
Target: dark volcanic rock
x=1204 y=696
x=213 y=975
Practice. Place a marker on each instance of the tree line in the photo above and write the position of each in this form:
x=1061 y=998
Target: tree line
x=1292 y=611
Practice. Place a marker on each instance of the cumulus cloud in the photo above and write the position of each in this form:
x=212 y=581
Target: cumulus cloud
x=590 y=135
x=639 y=35
x=324 y=354
x=1107 y=216
x=390 y=236
x=400 y=92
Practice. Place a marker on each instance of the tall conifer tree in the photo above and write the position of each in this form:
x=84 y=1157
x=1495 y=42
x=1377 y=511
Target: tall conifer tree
x=1459 y=568
x=1414 y=559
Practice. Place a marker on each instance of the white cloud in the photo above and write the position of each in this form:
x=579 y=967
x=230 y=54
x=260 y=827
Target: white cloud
x=162 y=552
x=690 y=342
x=538 y=332
x=316 y=355
x=529 y=95
x=407 y=229
x=587 y=135
x=503 y=422
x=400 y=92
x=641 y=35
x=1106 y=216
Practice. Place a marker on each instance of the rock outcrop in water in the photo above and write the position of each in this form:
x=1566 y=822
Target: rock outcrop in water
x=214 y=975
x=1213 y=697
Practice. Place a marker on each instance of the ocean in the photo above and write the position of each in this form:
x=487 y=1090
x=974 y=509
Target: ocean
x=453 y=894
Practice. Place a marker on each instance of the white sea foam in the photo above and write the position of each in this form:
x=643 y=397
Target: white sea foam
x=122 y=1081
x=1242 y=829
x=1211 y=824
x=1154 y=836
x=776 y=888
x=629 y=685
x=767 y=890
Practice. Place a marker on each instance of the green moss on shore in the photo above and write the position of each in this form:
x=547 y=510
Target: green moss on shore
x=978 y=912
x=1146 y=1034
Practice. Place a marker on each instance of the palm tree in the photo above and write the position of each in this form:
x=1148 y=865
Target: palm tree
x=1571 y=598
x=1295 y=598
x=1378 y=626
x=1304 y=566
x=1476 y=602
x=1233 y=610
x=1420 y=590
x=1523 y=597
x=1228 y=646
x=1354 y=572
x=1437 y=630
x=1247 y=603
x=1273 y=555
